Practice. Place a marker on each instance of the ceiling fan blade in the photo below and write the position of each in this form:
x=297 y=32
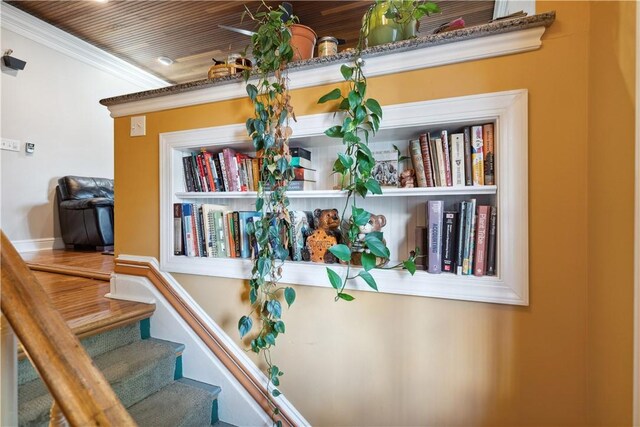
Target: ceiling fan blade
x=237 y=30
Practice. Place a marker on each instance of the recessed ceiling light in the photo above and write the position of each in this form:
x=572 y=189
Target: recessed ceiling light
x=165 y=60
x=101 y=1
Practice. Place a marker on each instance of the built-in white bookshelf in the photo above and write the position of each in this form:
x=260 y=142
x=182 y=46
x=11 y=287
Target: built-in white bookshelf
x=404 y=208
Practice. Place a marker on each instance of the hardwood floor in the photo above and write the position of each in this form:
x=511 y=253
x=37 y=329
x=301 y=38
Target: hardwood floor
x=78 y=293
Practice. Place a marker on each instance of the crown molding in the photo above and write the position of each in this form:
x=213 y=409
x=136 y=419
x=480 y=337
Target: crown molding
x=28 y=26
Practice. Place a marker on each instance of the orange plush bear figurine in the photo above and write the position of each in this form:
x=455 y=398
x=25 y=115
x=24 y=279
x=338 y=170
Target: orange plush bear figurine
x=327 y=234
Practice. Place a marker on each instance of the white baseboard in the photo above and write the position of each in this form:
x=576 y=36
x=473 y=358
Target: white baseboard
x=33 y=245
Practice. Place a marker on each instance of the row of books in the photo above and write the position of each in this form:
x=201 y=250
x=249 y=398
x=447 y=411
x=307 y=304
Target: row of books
x=230 y=170
x=461 y=241
x=212 y=231
x=441 y=159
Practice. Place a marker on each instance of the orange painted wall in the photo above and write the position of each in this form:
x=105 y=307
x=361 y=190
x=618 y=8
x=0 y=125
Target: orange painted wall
x=398 y=360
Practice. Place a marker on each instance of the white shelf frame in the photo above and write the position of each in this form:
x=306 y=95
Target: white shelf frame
x=509 y=111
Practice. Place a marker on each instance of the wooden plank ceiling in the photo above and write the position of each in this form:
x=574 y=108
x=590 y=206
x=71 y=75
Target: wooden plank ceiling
x=187 y=31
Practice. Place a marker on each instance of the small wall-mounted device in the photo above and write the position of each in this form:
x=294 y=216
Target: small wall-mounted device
x=11 y=62
x=29 y=147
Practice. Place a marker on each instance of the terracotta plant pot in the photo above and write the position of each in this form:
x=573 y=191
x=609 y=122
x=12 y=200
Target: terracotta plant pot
x=303 y=41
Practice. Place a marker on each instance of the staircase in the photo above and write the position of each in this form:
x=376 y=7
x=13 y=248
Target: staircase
x=144 y=372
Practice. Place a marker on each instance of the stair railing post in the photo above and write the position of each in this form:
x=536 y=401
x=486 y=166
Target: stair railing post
x=8 y=375
x=57 y=418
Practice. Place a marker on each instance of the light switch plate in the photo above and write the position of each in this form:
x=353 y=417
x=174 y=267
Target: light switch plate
x=139 y=126
x=10 y=144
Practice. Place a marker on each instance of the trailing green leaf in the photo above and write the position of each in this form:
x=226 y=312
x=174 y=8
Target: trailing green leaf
x=335 y=280
x=289 y=296
x=368 y=278
x=341 y=251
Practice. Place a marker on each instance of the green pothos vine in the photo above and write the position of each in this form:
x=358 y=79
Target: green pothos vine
x=270 y=132
x=361 y=117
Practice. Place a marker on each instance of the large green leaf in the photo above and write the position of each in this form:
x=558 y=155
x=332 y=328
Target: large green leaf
x=334 y=132
x=252 y=91
x=346 y=71
x=244 y=325
x=374 y=106
x=345 y=160
x=376 y=246
x=335 y=280
x=360 y=216
x=289 y=296
x=334 y=94
x=279 y=327
x=341 y=251
x=373 y=186
x=270 y=339
x=367 y=277
x=253 y=296
x=345 y=297
x=368 y=261
x=274 y=308
x=410 y=265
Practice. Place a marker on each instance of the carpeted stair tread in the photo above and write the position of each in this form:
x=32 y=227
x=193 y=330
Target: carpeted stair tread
x=176 y=405
x=94 y=345
x=135 y=371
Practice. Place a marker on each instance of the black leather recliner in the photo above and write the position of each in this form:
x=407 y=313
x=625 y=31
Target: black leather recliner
x=85 y=207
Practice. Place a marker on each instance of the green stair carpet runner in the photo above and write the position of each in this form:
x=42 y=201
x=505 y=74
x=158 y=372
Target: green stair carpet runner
x=145 y=373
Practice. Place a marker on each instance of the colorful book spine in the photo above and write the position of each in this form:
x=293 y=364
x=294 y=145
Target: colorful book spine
x=426 y=159
x=477 y=157
x=221 y=237
x=462 y=227
x=210 y=237
x=302 y=174
x=228 y=216
x=434 y=214
x=219 y=177
x=178 y=247
x=434 y=161
x=196 y=177
x=236 y=234
x=442 y=175
x=468 y=236
x=255 y=165
x=446 y=157
x=449 y=242
x=480 y=264
x=300 y=152
x=487 y=151
x=188 y=230
x=225 y=173
x=300 y=162
x=471 y=211
x=188 y=174
x=457 y=159
x=468 y=169
x=245 y=244
x=418 y=165
x=201 y=246
x=491 y=246
x=229 y=156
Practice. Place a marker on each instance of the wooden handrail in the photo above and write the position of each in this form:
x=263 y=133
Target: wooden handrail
x=209 y=337
x=82 y=393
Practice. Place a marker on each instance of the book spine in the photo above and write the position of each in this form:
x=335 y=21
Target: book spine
x=477 y=159
x=236 y=233
x=421 y=244
x=302 y=174
x=446 y=155
x=300 y=152
x=487 y=151
x=435 y=211
x=200 y=231
x=188 y=229
x=426 y=159
x=471 y=211
x=178 y=247
x=196 y=177
x=236 y=174
x=210 y=171
x=255 y=164
x=188 y=177
x=200 y=172
x=491 y=246
x=441 y=164
x=195 y=232
x=457 y=159
x=205 y=173
x=209 y=226
x=466 y=256
x=249 y=170
x=449 y=242
x=232 y=173
x=228 y=228
x=481 y=241
x=418 y=165
x=220 y=180
x=468 y=169
x=300 y=162
x=434 y=160
x=462 y=222
x=225 y=172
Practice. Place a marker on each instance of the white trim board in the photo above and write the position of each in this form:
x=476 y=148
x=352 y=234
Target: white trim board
x=39 y=31
x=33 y=245
x=427 y=57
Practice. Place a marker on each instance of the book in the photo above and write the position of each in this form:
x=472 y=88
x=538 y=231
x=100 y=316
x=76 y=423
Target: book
x=178 y=248
x=300 y=152
x=229 y=230
x=449 y=241
x=295 y=186
x=418 y=164
x=457 y=159
x=201 y=172
x=434 y=161
x=480 y=264
x=188 y=174
x=468 y=169
x=245 y=244
x=487 y=151
x=201 y=246
x=491 y=245
x=426 y=159
x=471 y=235
x=301 y=226
x=243 y=177
x=255 y=165
x=225 y=173
x=218 y=173
x=442 y=174
x=421 y=244
x=196 y=173
x=188 y=230
x=385 y=170
x=210 y=235
x=462 y=223
x=477 y=158
x=434 y=239
x=302 y=174
x=300 y=162
x=236 y=234
x=446 y=156
x=230 y=163
x=249 y=171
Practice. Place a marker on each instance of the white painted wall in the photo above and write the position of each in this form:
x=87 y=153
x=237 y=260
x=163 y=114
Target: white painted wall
x=53 y=103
